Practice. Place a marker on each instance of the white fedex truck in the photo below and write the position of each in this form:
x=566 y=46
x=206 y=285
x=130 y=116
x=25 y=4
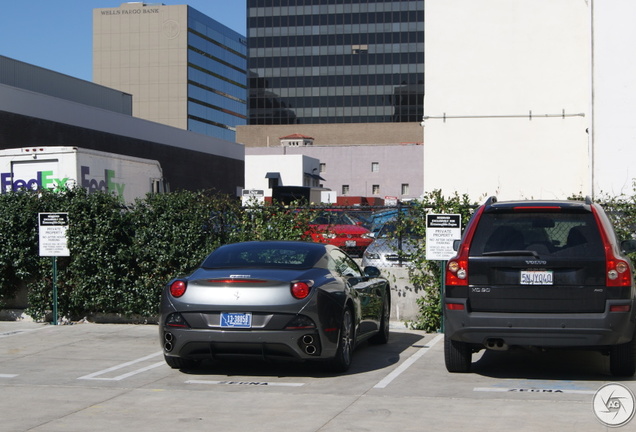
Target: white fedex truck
x=58 y=168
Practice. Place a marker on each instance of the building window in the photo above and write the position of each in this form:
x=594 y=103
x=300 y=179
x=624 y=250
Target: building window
x=323 y=167
x=405 y=188
x=345 y=189
x=375 y=189
x=375 y=166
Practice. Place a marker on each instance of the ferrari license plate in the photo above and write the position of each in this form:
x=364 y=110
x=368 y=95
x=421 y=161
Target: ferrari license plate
x=536 y=277
x=236 y=320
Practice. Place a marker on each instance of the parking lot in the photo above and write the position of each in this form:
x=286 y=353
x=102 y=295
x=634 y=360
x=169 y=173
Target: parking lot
x=94 y=377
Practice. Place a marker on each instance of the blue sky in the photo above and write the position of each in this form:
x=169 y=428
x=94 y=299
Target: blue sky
x=58 y=34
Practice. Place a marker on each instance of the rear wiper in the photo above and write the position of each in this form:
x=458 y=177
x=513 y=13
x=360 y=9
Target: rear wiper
x=512 y=253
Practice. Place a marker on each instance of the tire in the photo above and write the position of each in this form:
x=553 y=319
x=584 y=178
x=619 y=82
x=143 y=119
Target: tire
x=346 y=342
x=623 y=359
x=180 y=363
x=383 y=335
x=457 y=356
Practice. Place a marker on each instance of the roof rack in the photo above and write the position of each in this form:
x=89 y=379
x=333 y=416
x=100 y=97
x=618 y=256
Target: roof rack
x=588 y=200
x=491 y=200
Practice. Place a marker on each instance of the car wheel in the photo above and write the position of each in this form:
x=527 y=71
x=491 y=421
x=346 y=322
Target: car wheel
x=180 y=363
x=623 y=359
x=383 y=335
x=457 y=356
x=344 y=351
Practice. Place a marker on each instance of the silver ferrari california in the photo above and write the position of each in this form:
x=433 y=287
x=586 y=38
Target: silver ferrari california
x=274 y=300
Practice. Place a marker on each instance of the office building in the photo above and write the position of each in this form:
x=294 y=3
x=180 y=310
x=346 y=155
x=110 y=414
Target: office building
x=328 y=61
x=182 y=68
x=42 y=108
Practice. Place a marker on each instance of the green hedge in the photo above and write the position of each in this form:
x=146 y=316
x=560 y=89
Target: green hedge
x=121 y=256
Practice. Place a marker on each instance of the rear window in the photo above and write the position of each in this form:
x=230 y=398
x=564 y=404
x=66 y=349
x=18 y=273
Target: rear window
x=559 y=234
x=255 y=255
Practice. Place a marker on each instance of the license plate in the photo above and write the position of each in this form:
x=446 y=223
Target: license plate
x=351 y=243
x=236 y=319
x=536 y=277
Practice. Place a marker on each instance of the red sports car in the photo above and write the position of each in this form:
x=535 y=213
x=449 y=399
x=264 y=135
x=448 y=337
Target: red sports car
x=341 y=230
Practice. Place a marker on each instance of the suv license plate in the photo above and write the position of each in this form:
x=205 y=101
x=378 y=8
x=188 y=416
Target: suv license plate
x=236 y=320
x=536 y=277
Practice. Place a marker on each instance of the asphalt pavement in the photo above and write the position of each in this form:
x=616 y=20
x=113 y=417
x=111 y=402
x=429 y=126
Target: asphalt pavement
x=106 y=377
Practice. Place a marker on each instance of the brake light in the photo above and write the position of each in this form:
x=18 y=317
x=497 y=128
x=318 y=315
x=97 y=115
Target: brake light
x=617 y=271
x=457 y=268
x=178 y=288
x=455 y=306
x=539 y=208
x=456 y=271
x=300 y=290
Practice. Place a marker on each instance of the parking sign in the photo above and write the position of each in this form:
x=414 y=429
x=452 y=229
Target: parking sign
x=53 y=228
x=441 y=232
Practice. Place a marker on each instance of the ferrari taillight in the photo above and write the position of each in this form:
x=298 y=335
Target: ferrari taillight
x=300 y=290
x=178 y=288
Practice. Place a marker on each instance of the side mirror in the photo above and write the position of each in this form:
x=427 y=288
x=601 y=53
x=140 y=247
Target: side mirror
x=628 y=246
x=371 y=271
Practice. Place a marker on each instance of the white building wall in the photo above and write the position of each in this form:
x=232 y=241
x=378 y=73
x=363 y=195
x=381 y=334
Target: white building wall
x=351 y=165
x=292 y=169
x=507 y=98
x=614 y=132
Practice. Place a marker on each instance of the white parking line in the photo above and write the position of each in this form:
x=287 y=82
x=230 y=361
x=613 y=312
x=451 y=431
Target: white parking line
x=246 y=383
x=8 y=375
x=407 y=363
x=21 y=331
x=94 y=376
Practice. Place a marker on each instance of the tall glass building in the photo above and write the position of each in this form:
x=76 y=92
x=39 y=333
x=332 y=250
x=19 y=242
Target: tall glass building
x=182 y=67
x=335 y=61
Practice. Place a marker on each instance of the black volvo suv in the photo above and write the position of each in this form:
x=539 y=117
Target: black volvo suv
x=547 y=274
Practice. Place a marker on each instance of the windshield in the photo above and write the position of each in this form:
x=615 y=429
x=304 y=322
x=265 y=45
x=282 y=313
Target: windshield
x=390 y=231
x=562 y=234
x=333 y=218
x=251 y=255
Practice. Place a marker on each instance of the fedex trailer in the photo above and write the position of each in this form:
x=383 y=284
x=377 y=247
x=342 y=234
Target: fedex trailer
x=60 y=168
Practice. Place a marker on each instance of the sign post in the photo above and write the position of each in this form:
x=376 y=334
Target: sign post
x=441 y=232
x=53 y=242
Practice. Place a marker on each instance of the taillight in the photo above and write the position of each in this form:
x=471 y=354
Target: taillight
x=178 y=288
x=300 y=290
x=457 y=267
x=300 y=322
x=176 y=320
x=455 y=306
x=457 y=270
x=618 y=273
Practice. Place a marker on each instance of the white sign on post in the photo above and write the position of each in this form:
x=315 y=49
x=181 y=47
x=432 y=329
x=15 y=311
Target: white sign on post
x=53 y=228
x=441 y=232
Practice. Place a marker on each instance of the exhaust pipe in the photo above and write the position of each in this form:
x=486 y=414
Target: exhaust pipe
x=496 y=344
x=309 y=344
x=168 y=339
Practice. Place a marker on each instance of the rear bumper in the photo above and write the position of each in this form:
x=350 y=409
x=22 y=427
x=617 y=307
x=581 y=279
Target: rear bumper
x=265 y=344
x=541 y=330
